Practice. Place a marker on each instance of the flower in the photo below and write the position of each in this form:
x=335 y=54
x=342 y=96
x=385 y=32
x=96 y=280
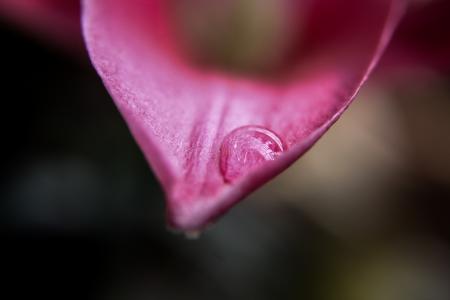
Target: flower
x=222 y=96
x=55 y=20
x=423 y=38
x=212 y=137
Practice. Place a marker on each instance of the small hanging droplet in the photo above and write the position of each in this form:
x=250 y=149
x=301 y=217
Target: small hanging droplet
x=246 y=148
x=192 y=234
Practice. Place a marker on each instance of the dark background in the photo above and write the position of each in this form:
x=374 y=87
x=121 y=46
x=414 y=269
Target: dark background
x=82 y=215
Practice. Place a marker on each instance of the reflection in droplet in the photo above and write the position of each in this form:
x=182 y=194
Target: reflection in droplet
x=247 y=147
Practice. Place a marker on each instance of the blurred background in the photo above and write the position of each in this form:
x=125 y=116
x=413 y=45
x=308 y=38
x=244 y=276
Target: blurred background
x=364 y=215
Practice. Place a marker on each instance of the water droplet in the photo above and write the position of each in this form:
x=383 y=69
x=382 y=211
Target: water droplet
x=192 y=234
x=246 y=148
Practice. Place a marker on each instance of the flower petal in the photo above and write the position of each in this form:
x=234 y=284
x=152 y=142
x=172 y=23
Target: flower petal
x=422 y=40
x=190 y=123
x=56 y=20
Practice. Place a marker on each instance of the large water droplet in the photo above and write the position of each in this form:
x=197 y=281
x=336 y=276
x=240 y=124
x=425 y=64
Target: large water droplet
x=246 y=148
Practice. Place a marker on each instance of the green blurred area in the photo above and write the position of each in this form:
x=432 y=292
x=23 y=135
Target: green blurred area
x=239 y=36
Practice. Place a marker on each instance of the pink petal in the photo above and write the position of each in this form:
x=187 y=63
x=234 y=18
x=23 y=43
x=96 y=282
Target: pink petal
x=422 y=39
x=193 y=126
x=55 y=20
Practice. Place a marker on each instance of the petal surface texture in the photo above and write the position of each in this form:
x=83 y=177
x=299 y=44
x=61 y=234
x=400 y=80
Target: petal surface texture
x=213 y=137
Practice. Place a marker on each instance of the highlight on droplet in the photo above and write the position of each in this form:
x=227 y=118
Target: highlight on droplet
x=246 y=148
